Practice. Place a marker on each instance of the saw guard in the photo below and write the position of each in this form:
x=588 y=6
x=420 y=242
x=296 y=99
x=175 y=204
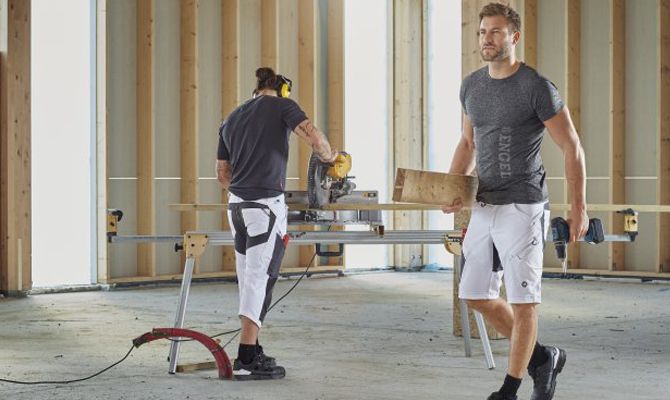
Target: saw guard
x=318 y=182
x=220 y=356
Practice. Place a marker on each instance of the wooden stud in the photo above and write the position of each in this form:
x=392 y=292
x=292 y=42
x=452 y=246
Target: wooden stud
x=270 y=21
x=617 y=192
x=390 y=80
x=146 y=135
x=573 y=88
x=663 y=154
x=529 y=27
x=229 y=98
x=308 y=65
x=189 y=110
x=408 y=113
x=336 y=54
x=101 y=145
x=15 y=152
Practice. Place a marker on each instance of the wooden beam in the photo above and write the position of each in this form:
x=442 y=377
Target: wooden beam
x=573 y=88
x=189 y=109
x=335 y=99
x=663 y=154
x=617 y=190
x=308 y=65
x=101 y=145
x=408 y=113
x=146 y=136
x=229 y=98
x=529 y=28
x=269 y=36
x=15 y=152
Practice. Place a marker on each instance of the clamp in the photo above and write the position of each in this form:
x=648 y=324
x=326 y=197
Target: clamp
x=113 y=218
x=630 y=222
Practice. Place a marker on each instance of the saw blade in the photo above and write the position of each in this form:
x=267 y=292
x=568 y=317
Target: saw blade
x=318 y=185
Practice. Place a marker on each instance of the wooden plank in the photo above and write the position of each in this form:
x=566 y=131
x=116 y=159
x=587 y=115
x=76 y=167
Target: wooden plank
x=101 y=142
x=229 y=97
x=529 y=28
x=407 y=111
x=336 y=117
x=614 y=274
x=427 y=187
x=663 y=154
x=390 y=80
x=146 y=135
x=218 y=274
x=617 y=195
x=573 y=30
x=640 y=208
x=269 y=33
x=425 y=115
x=188 y=110
x=308 y=65
x=201 y=366
x=15 y=152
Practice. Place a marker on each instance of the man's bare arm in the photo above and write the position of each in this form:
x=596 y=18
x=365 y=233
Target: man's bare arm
x=307 y=131
x=463 y=161
x=464 y=157
x=224 y=172
x=564 y=134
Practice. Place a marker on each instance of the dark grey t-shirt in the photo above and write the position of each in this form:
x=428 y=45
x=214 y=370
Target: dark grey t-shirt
x=507 y=116
x=255 y=138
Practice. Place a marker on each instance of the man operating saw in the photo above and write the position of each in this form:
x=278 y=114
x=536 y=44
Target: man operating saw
x=507 y=106
x=251 y=163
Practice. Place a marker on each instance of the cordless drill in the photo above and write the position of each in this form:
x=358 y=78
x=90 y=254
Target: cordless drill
x=560 y=231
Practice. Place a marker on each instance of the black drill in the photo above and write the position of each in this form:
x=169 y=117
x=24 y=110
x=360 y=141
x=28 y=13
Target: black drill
x=560 y=231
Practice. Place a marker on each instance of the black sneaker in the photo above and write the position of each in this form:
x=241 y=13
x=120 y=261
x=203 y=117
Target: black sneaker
x=544 y=376
x=270 y=360
x=259 y=368
x=498 y=396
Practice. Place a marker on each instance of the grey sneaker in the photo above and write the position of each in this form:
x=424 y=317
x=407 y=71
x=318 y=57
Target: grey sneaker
x=270 y=360
x=259 y=368
x=544 y=376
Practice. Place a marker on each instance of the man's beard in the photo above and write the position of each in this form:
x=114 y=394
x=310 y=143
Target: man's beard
x=499 y=54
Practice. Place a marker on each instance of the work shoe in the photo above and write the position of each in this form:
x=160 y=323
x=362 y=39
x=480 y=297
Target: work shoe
x=270 y=360
x=498 y=396
x=260 y=368
x=544 y=376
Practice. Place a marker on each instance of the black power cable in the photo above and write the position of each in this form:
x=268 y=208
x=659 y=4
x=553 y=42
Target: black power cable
x=236 y=331
x=73 y=380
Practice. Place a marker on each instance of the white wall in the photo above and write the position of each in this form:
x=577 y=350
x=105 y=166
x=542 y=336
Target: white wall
x=61 y=132
x=366 y=111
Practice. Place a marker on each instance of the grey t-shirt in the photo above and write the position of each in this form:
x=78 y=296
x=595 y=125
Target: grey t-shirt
x=507 y=116
x=254 y=138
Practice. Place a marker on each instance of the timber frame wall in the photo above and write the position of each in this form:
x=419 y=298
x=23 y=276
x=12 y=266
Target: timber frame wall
x=169 y=71
x=176 y=67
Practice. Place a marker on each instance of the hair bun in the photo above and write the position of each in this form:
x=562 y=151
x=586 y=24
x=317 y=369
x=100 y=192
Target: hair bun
x=264 y=74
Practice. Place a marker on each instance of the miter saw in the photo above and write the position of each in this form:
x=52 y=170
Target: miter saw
x=329 y=183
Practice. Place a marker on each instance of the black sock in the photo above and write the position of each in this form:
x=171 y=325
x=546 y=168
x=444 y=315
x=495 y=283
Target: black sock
x=246 y=353
x=539 y=356
x=259 y=348
x=510 y=387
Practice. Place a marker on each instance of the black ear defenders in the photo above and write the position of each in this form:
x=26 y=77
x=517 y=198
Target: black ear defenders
x=283 y=86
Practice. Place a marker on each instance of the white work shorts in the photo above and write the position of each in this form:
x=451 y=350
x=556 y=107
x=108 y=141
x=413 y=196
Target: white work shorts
x=259 y=229
x=504 y=239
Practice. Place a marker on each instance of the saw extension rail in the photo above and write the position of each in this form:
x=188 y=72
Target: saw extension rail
x=220 y=356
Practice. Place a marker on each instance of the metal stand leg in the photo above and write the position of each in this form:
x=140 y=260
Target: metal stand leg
x=481 y=328
x=181 y=311
x=465 y=322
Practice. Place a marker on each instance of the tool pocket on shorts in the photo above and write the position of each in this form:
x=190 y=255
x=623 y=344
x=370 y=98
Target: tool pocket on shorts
x=527 y=251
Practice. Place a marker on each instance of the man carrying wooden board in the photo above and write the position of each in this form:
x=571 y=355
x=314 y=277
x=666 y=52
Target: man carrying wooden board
x=507 y=105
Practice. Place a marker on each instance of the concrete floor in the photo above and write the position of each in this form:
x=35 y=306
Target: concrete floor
x=364 y=336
